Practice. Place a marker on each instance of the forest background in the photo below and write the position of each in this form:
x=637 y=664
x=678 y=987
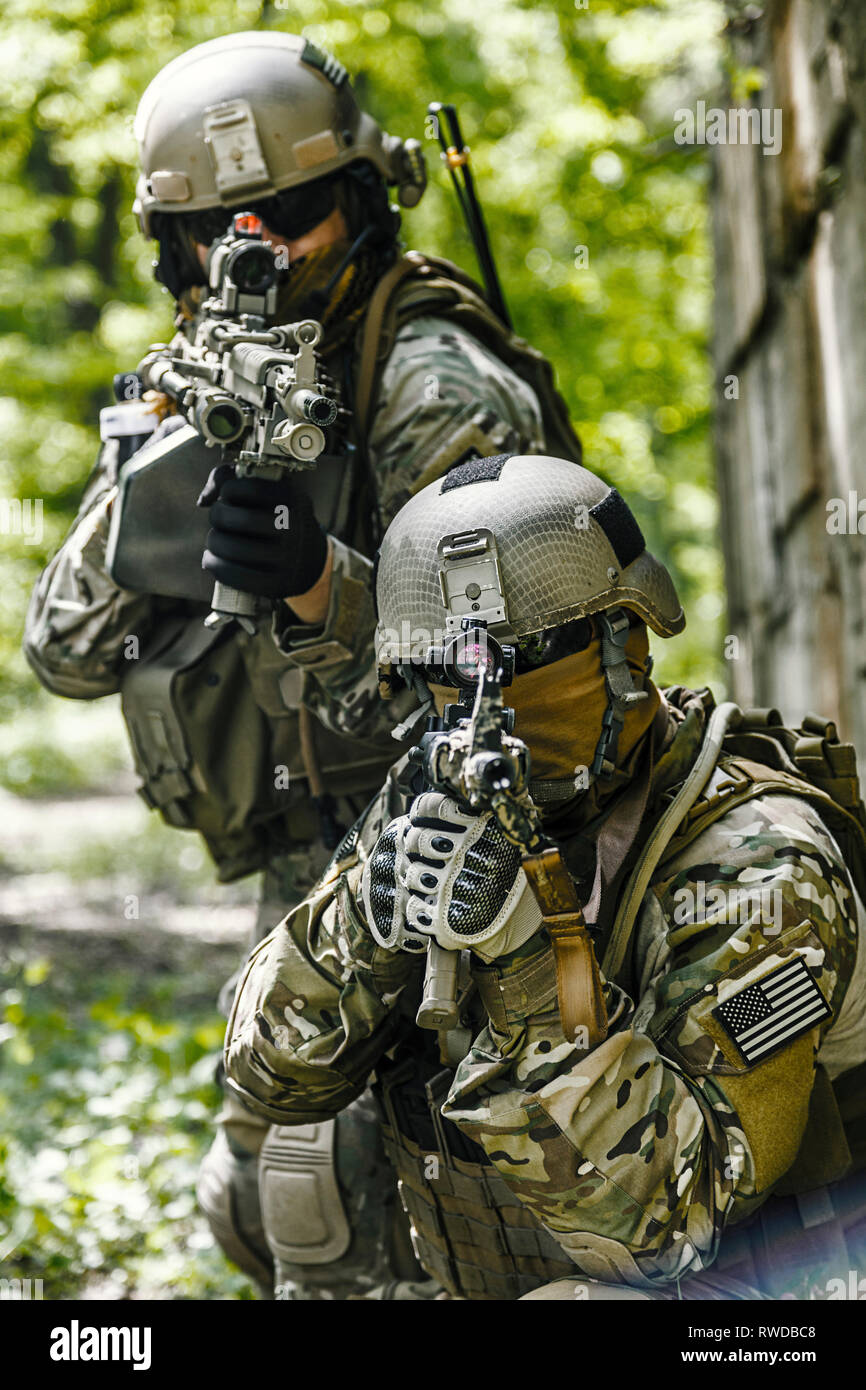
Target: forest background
x=600 y=226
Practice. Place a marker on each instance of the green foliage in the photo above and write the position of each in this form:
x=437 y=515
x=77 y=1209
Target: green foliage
x=568 y=111
x=105 y=1110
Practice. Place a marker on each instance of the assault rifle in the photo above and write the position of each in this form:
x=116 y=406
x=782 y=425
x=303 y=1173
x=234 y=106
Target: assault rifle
x=472 y=755
x=253 y=391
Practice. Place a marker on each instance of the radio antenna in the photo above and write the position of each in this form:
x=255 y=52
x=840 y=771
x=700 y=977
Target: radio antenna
x=456 y=157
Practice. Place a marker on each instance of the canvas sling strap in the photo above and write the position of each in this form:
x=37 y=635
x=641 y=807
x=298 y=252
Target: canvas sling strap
x=642 y=873
x=569 y=922
x=373 y=348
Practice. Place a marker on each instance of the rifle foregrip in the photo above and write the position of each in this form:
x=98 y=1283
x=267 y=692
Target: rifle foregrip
x=438 y=1008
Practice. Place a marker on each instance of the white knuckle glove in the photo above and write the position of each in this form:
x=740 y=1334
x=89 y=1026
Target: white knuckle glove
x=455 y=877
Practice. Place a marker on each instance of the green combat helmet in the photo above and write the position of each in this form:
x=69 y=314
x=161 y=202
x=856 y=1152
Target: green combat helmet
x=246 y=117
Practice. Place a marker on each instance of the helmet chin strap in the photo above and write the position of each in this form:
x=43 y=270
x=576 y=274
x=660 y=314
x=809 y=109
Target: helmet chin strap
x=317 y=300
x=416 y=682
x=621 y=694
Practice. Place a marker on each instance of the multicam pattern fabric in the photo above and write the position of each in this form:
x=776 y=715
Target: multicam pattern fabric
x=636 y=1155
x=443 y=397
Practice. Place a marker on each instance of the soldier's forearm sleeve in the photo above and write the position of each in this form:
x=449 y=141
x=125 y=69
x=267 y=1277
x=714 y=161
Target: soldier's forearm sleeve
x=639 y=1152
x=314 y=1009
x=78 y=619
x=337 y=659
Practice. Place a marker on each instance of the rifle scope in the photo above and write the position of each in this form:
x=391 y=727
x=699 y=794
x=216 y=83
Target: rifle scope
x=462 y=656
x=251 y=267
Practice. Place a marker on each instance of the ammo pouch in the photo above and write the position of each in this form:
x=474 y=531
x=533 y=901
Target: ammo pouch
x=202 y=746
x=469 y=1230
x=213 y=723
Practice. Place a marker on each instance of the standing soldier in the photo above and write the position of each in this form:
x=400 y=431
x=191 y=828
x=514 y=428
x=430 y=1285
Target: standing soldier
x=429 y=376
x=688 y=1121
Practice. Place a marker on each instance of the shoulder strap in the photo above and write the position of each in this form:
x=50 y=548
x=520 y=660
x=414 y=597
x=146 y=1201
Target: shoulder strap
x=443 y=288
x=833 y=789
x=639 y=878
x=371 y=334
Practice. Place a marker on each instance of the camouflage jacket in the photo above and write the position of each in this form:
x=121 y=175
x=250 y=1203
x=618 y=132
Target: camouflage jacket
x=441 y=394
x=638 y=1154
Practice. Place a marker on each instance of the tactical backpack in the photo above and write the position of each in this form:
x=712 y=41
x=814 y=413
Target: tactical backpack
x=420 y=284
x=756 y=754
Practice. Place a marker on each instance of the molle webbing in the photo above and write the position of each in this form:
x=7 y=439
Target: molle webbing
x=469 y=1231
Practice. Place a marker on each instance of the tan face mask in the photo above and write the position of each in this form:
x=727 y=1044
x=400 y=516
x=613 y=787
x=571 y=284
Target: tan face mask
x=558 y=709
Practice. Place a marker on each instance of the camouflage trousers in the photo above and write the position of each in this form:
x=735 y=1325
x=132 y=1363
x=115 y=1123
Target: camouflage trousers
x=804 y=1248
x=309 y=1211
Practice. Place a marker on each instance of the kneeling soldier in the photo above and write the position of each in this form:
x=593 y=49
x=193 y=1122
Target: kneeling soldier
x=673 y=1125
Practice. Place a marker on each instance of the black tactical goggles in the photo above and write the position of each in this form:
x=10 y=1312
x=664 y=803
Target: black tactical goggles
x=291 y=214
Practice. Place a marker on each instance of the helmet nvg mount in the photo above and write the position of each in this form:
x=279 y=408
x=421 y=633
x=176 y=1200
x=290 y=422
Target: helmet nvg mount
x=243 y=117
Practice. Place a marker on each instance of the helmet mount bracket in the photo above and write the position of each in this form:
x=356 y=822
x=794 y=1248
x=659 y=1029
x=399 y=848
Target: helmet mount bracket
x=233 y=145
x=470 y=580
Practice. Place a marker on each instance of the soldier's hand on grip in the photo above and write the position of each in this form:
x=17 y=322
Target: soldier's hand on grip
x=441 y=873
x=264 y=538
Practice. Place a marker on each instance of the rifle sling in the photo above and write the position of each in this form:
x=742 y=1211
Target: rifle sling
x=578 y=981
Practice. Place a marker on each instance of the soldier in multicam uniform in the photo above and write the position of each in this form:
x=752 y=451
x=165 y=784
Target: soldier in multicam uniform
x=429 y=376
x=710 y=1145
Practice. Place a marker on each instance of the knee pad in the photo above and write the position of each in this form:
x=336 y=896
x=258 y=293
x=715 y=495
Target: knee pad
x=228 y=1195
x=591 y=1290
x=330 y=1209
x=303 y=1215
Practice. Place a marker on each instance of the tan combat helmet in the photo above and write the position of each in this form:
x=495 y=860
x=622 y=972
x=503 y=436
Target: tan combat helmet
x=523 y=543
x=243 y=117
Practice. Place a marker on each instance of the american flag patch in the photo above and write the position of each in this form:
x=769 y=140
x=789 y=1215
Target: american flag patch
x=766 y=1015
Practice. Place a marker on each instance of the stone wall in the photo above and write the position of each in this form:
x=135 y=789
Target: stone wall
x=790 y=359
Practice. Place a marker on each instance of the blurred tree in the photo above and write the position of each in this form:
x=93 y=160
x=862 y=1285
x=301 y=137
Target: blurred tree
x=597 y=217
x=789 y=350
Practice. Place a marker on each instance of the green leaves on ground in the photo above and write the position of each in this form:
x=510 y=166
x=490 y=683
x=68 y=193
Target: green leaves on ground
x=106 y=1104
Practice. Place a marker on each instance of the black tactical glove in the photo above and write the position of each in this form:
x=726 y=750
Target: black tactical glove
x=264 y=538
